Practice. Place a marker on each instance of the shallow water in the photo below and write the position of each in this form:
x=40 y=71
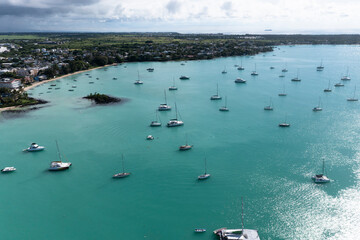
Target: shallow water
x=247 y=153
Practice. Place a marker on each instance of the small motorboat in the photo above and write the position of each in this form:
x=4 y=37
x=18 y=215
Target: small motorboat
x=240 y=80
x=185 y=147
x=59 y=165
x=121 y=175
x=138 y=82
x=8 y=169
x=34 y=147
x=284 y=124
x=339 y=85
x=174 y=123
x=184 y=77
x=150 y=137
x=200 y=230
x=155 y=124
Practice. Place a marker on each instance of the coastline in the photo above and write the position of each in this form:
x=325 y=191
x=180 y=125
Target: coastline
x=50 y=80
x=67 y=75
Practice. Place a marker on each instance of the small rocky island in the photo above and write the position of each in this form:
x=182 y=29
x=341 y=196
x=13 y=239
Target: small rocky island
x=102 y=98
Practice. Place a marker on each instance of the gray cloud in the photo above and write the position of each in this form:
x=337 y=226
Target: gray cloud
x=227 y=7
x=173 y=6
x=10 y=10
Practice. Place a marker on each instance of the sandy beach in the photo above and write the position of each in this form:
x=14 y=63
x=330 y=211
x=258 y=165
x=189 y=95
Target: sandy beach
x=67 y=75
x=50 y=80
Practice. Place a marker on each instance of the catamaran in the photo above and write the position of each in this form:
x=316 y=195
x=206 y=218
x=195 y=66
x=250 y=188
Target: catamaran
x=59 y=165
x=216 y=96
x=164 y=106
x=321 y=178
x=123 y=173
x=237 y=234
x=175 y=122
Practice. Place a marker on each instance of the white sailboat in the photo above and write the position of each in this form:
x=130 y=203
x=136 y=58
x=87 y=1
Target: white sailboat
x=284 y=124
x=216 y=96
x=353 y=99
x=347 y=76
x=156 y=122
x=173 y=87
x=138 y=82
x=123 y=173
x=321 y=178
x=186 y=146
x=328 y=89
x=238 y=234
x=269 y=107
x=318 y=107
x=175 y=122
x=254 y=73
x=164 y=106
x=284 y=69
x=320 y=67
x=224 y=71
x=283 y=93
x=296 y=79
x=241 y=67
x=8 y=169
x=205 y=175
x=59 y=165
x=224 y=108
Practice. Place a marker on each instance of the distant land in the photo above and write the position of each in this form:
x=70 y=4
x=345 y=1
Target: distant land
x=26 y=58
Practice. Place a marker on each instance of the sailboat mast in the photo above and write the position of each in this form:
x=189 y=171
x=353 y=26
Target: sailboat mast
x=217 y=89
x=323 y=168
x=165 y=97
x=122 y=160
x=176 y=112
x=242 y=215
x=205 y=166
x=57 y=146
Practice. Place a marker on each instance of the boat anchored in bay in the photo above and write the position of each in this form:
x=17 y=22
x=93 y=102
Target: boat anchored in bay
x=123 y=173
x=59 y=165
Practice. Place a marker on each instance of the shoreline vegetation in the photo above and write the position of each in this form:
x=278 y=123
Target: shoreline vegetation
x=32 y=57
x=102 y=99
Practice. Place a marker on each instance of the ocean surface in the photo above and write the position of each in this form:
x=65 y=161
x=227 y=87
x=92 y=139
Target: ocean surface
x=247 y=154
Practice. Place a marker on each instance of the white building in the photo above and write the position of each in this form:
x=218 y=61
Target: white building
x=10 y=83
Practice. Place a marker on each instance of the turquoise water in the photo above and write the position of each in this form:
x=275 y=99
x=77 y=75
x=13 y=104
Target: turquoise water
x=247 y=153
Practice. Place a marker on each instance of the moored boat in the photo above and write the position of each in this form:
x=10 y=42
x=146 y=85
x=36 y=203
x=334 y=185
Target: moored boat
x=34 y=147
x=123 y=173
x=8 y=169
x=59 y=165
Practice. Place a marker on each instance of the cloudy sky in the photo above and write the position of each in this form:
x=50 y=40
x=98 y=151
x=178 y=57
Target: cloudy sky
x=226 y=16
